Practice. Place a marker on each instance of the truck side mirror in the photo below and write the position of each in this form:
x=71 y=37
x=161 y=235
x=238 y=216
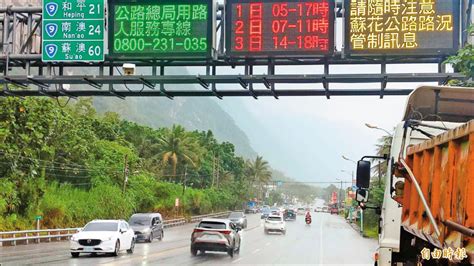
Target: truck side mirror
x=363 y=174
x=362 y=195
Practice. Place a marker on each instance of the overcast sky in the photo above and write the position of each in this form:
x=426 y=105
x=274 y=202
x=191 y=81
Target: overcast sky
x=305 y=137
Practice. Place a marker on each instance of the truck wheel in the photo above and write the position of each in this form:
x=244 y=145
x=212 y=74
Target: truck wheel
x=161 y=235
x=231 y=252
x=150 y=238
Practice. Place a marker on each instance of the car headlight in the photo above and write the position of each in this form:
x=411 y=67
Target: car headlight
x=146 y=230
x=74 y=239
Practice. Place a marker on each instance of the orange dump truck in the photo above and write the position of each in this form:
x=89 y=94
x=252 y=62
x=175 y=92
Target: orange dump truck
x=438 y=193
x=428 y=201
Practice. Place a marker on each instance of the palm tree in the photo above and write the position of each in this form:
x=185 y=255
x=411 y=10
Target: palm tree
x=178 y=146
x=259 y=172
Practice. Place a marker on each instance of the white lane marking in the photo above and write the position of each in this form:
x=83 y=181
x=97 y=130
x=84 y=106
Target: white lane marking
x=255 y=251
x=234 y=261
x=267 y=244
x=321 y=242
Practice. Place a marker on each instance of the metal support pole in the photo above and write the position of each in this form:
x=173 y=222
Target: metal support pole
x=361 y=222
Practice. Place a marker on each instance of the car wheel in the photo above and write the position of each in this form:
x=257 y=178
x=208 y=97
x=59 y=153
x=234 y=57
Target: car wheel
x=75 y=254
x=203 y=251
x=231 y=252
x=161 y=235
x=237 y=251
x=193 y=251
x=117 y=249
x=266 y=232
x=132 y=247
x=284 y=232
x=150 y=238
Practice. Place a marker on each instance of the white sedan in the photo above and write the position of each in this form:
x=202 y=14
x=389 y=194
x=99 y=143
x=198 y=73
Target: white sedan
x=103 y=236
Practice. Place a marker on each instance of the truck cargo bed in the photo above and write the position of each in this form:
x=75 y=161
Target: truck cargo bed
x=444 y=169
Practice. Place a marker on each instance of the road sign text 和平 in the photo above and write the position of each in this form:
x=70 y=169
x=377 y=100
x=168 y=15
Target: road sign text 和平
x=73 y=30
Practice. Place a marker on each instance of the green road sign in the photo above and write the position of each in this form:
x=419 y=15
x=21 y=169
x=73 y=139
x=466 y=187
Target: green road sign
x=161 y=29
x=38 y=217
x=73 y=30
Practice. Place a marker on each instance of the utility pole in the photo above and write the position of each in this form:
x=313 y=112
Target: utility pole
x=217 y=172
x=184 y=177
x=213 y=170
x=125 y=173
x=340 y=197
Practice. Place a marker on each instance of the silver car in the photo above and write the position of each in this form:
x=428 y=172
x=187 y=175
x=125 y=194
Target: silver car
x=239 y=219
x=215 y=235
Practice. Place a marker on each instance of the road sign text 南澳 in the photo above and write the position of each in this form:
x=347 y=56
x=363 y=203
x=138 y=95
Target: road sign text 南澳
x=73 y=30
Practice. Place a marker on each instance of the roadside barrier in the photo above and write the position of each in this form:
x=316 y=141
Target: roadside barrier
x=26 y=237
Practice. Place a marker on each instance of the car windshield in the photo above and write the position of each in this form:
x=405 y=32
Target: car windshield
x=212 y=225
x=139 y=221
x=300 y=209
x=108 y=226
x=266 y=211
x=274 y=218
x=235 y=215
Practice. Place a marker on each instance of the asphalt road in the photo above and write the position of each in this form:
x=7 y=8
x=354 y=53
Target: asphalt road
x=328 y=240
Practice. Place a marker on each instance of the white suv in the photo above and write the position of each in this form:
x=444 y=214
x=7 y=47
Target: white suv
x=103 y=236
x=275 y=223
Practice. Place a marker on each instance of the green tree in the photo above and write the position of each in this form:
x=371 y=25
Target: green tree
x=463 y=62
x=178 y=146
x=258 y=172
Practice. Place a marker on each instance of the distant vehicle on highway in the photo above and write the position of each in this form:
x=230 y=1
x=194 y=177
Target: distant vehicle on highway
x=318 y=209
x=147 y=226
x=265 y=213
x=215 y=235
x=275 y=211
x=301 y=211
x=239 y=219
x=103 y=236
x=251 y=210
x=275 y=223
x=334 y=209
x=289 y=215
x=325 y=209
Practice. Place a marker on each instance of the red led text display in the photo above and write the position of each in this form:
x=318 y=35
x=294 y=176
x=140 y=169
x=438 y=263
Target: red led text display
x=280 y=28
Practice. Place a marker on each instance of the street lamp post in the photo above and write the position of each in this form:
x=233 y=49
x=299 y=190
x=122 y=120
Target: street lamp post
x=378 y=128
x=348 y=159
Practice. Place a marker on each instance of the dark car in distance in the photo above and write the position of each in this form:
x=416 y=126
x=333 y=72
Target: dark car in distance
x=289 y=215
x=239 y=219
x=265 y=213
x=147 y=226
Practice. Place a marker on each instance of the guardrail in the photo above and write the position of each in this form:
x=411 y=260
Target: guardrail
x=35 y=236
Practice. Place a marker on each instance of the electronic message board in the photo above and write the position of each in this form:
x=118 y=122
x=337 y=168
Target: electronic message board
x=161 y=28
x=277 y=28
x=402 y=27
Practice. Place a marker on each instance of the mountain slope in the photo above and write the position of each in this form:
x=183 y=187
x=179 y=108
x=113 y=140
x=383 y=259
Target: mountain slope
x=192 y=113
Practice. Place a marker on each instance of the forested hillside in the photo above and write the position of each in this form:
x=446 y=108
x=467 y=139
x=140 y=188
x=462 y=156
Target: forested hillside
x=67 y=163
